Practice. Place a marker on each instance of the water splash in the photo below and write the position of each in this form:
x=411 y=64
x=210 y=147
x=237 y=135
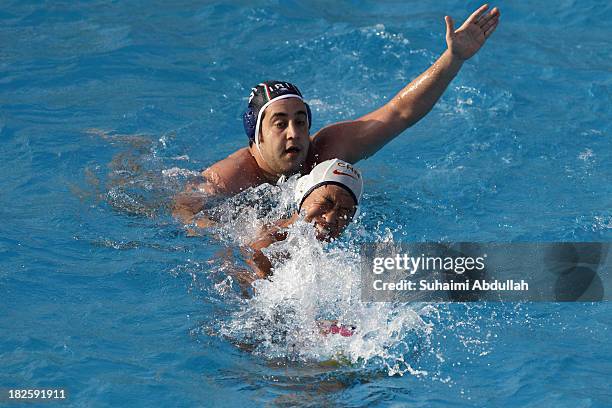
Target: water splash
x=315 y=283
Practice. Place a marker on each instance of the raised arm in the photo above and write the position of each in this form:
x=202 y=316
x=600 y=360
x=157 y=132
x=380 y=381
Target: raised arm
x=360 y=138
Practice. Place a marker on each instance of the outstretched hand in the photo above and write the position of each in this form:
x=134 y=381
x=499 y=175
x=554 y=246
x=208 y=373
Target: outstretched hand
x=467 y=39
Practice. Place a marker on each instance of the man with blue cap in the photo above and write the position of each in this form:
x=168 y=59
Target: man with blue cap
x=278 y=120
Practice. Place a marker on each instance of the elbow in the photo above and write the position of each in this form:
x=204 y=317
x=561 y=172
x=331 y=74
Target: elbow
x=404 y=117
x=413 y=103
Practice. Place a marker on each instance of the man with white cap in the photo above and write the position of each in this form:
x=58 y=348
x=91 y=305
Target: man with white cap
x=277 y=122
x=327 y=197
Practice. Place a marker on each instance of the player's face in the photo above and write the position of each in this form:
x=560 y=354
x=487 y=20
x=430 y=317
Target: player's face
x=331 y=208
x=284 y=139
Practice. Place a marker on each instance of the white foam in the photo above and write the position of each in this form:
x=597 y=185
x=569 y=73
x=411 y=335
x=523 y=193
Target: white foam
x=314 y=281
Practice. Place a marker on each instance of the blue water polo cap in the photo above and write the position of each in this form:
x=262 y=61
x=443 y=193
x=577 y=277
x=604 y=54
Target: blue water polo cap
x=261 y=97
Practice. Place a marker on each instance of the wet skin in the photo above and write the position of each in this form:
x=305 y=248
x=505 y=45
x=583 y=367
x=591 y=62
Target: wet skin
x=350 y=140
x=331 y=208
x=283 y=139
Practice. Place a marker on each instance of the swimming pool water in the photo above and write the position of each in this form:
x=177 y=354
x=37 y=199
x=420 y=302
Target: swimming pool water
x=106 y=108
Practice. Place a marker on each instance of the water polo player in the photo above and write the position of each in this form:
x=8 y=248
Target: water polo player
x=278 y=120
x=327 y=198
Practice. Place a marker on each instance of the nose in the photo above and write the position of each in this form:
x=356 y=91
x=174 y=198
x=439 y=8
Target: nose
x=291 y=131
x=331 y=218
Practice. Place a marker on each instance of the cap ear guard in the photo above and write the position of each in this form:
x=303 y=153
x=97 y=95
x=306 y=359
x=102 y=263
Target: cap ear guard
x=309 y=114
x=301 y=187
x=249 y=121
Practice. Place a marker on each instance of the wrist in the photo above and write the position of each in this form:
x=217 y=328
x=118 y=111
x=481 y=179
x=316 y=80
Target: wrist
x=451 y=61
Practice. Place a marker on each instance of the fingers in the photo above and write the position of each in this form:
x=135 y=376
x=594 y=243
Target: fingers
x=476 y=15
x=450 y=26
x=488 y=17
x=490 y=30
x=490 y=23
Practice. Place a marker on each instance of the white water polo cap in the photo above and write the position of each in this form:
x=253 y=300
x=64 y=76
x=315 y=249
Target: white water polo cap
x=334 y=171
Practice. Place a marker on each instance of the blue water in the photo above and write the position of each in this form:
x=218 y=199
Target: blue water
x=105 y=108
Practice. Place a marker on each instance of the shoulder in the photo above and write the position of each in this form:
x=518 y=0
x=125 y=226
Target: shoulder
x=233 y=174
x=331 y=142
x=355 y=140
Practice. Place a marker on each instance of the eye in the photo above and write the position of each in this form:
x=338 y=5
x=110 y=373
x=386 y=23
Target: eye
x=301 y=122
x=280 y=125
